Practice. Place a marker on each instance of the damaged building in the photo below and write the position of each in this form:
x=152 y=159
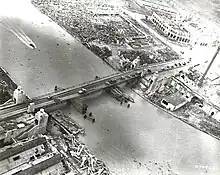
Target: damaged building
x=31 y=157
x=17 y=128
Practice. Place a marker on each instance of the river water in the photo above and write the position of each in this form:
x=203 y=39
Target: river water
x=128 y=140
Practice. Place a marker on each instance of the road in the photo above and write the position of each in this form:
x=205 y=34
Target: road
x=72 y=92
x=68 y=93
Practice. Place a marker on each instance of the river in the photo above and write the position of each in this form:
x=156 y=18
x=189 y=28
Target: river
x=128 y=140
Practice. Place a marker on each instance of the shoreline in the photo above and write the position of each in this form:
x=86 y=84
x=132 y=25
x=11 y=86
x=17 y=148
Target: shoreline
x=13 y=81
x=86 y=44
x=168 y=112
x=163 y=109
x=174 y=115
x=127 y=140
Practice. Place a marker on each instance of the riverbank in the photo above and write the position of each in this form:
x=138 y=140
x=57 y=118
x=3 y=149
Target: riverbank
x=114 y=36
x=129 y=140
x=114 y=66
x=173 y=114
x=7 y=87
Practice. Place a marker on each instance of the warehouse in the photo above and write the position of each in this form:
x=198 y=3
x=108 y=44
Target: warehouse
x=174 y=101
x=170 y=28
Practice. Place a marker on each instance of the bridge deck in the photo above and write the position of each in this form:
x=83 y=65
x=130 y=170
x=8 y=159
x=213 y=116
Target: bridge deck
x=72 y=92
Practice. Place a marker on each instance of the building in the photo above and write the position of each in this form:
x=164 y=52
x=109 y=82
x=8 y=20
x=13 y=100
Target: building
x=52 y=166
x=31 y=157
x=209 y=109
x=20 y=127
x=178 y=99
x=179 y=86
x=171 y=27
x=185 y=29
x=17 y=155
x=174 y=101
x=19 y=95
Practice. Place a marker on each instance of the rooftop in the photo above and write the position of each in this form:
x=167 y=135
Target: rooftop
x=177 y=27
x=170 y=20
x=16 y=122
x=21 y=147
x=41 y=166
x=175 y=99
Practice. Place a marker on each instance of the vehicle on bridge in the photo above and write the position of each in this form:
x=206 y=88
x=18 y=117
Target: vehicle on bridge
x=107 y=83
x=112 y=81
x=82 y=91
x=49 y=97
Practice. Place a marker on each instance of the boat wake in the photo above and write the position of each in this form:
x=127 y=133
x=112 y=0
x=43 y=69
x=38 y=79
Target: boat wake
x=17 y=31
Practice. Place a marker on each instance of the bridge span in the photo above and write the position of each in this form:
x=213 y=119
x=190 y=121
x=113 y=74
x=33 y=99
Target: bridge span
x=87 y=88
x=61 y=96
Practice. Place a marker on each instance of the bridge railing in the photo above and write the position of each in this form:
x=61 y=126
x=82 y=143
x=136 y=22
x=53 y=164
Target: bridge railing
x=105 y=77
x=78 y=85
x=96 y=81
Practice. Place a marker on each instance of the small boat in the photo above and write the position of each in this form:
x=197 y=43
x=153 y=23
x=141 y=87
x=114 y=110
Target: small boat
x=32 y=46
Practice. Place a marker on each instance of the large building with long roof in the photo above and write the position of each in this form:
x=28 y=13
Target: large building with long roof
x=184 y=29
x=169 y=26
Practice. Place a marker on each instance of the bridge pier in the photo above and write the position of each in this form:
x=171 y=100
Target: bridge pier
x=79 y=105
x=42 y=119
x=31 y=108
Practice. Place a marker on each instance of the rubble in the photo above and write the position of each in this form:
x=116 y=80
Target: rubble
x=185 y=104
x=69 y=145
x=83 y=159
x=7 y=86
x=104 y=33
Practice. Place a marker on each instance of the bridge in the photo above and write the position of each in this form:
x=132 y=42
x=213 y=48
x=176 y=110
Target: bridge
x=90 y=87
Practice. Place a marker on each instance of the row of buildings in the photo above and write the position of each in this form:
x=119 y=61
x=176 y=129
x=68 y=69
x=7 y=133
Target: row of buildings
x=176 y=92
x=182 y=29
x=25 y=151
x=38 y=143
x=31 y=157
x=184 y=94
x=173 y=31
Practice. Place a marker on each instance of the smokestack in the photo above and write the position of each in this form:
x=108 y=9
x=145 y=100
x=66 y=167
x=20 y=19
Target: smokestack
x=210 y=64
